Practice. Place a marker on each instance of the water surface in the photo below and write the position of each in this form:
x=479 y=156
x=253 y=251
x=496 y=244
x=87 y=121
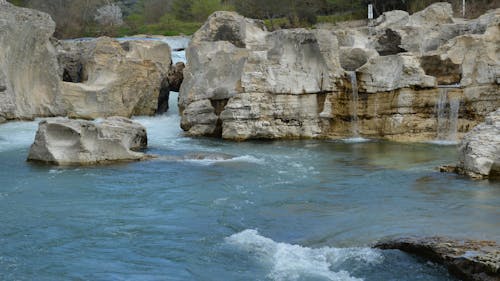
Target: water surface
x=293 y=210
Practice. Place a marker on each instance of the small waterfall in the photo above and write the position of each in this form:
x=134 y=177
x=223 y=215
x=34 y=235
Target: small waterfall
x=442 y=119
x=354 y=104
x=447 y=116
x=453 y=128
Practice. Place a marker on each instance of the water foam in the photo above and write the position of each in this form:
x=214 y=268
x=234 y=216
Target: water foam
x=15 y=135
x=220 y=160
x=355 y=140
x=294 y=262
x=444 y=142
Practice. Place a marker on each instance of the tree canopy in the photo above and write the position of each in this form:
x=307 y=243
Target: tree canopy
x=76 y=18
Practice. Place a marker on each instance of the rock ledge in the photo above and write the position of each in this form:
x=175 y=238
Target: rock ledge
x=466 y=259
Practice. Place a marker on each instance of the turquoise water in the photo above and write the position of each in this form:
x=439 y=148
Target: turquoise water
x=294 y=210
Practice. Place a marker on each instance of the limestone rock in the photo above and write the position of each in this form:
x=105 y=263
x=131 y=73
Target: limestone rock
x=392 y=19
x=29 y=82
x=113 y=79
x=435 y=14
x=252 y=61
x=388 y=73
x=465 y=259
x=395 y=32
x=76 y=142
x=268 y=116
x=295 y=61
x=354 y=58
x=479 y=151
x=418 y=78
x=171 y=83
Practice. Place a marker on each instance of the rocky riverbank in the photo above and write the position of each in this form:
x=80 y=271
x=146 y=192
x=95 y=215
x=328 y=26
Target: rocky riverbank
x=420 y=77
x=479 y=151
x=468 y=260
x=89 y=78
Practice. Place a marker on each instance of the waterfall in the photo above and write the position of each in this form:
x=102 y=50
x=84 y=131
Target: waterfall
x=442 y=114
x=354 y=104
x=453 y=128
x=447 y=116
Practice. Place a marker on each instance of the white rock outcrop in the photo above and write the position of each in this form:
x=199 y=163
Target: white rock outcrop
x=113 y=78
x=479 y=151
x=29 y=80
x=62 y=141
x=236 y=66
x=426 y=76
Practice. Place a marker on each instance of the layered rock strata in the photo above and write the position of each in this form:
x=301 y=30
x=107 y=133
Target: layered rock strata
x=77 y=142
x=466 y=259
x=243 y=82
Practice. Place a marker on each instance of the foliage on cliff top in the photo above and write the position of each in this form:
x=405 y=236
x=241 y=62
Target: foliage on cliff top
x=77 y=18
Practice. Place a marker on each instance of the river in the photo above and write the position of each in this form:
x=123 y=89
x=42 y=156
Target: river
x=278 y=210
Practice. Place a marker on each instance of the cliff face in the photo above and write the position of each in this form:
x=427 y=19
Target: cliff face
x=425 y=76
x=42 y=77
x=29 y=80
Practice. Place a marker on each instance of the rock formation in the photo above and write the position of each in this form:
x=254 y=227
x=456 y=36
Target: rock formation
x=77 y=142
x=465 y=259
x=479 y=151
x=29 y=81
x=105 y=77
x=42 y=77
x=170 y=83
x=415 y=77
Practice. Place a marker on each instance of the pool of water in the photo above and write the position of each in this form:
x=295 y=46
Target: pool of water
x=283 y=210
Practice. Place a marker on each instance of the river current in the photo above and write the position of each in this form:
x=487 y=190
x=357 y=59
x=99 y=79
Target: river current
x=277 y=210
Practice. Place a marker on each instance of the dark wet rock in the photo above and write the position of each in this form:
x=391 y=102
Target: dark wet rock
x=466 y=259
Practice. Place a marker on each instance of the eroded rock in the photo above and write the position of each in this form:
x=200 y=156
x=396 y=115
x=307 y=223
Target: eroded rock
x=466 y=259
x=77 y=142
x=479 y=151
x=29 y=81
x=113 y=78
x=419 y=77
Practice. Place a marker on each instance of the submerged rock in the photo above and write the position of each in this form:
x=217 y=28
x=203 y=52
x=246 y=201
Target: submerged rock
x=77 y=142
x=469 y=260
x=479 y=151
x=29 y=81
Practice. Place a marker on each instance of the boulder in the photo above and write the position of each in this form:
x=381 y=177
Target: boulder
x=395 y=31
x=479 y=151
x=113 y=78
x=29 y=80
x=465 y=259
x=469 y=59
x=387 y=73
x=435 y=14
x=77 y=142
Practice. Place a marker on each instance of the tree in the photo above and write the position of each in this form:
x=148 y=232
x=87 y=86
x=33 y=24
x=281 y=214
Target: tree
x=201 y=9
x=109 y=15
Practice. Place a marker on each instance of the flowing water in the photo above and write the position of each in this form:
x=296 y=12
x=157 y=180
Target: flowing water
x=447 y=117
x=282 y=210
x=354 y=104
